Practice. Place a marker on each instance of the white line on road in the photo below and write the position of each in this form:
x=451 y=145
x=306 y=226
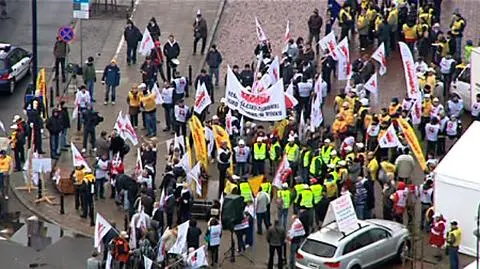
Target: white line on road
x=122 y=40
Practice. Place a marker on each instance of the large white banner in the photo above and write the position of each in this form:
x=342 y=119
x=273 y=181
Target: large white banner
x=344 y=64
x=268 y=105
x=413 y=91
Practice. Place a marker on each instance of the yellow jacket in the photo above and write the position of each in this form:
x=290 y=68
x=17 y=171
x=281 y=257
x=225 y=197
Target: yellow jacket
x=134 y=99
x=373 y=168
x=149 y=102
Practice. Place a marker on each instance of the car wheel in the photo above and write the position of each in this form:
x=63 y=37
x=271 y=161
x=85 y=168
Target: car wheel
x=12 y=86
x=356 y=267
x=402 y=252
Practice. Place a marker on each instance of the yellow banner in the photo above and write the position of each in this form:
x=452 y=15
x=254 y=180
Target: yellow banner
x=280 y=127
x=220 y=136
x=411 y=137
x=42 y=88
x=255 y=183
x=199 y=140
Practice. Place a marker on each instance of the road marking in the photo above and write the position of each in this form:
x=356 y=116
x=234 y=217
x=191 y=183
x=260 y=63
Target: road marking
x=122 y=40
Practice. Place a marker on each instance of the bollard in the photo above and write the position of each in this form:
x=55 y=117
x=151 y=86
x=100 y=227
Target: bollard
x=57 y=88
x=51 y=97
x=39 y=188
x=125 y=222
x=189 y=75
x=92 y=219
x=62 y=204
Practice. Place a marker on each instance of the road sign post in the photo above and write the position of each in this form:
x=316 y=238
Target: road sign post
x=81 y=10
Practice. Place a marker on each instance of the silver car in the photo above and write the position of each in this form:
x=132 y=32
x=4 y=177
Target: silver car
x=373 y=243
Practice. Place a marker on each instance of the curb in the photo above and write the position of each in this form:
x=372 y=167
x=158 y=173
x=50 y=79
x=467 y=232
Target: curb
x=218 y=17
x=42 y=215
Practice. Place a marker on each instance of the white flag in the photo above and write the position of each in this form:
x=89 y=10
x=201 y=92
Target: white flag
x=138 y=164
x=129 y=131
x=2 y=126
x=301 y=127
x=161 y=248
x=78 y=158
x=162 y=198
x=194 y=174
x=197 y=258
x=147 y=263
x=318 y=88
x=108 y=263
x=372 y=87
x=75 y=111
x=316 y=114
x=282 y=168
x=211 y=139
x=411 y=80
x=379 y=56
x=260 y=33
x=274 y=71
x=102 y=226
x=290 y=100
x=329 y=43
x=242 y=126
x=146 y=45
x=389 y=139
x=180 y=245
x=120 y=125
x=202 y=98
x=158 y=95
x=228 y=122
x=185 y=162
x=344 y=64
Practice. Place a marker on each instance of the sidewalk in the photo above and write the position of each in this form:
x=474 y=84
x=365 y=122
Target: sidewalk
x=101 y=39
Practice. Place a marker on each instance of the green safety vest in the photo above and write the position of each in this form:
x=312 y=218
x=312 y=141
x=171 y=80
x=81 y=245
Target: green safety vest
x=273 y=152
x=335 y=160
x=298 y=189
x=266 y=187
x=306 y=158
x=335 y=176
x=246 y=192
x=285 y=196
x=325 y=153
x=317 y=192
x=259 y=153
x=307 y=199
x=314 y=170
x=291 y=152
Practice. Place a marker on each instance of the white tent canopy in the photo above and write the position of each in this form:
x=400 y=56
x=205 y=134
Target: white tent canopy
x=457 y=186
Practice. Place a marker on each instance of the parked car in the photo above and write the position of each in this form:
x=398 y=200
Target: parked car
x=375 y=242
x=14 y=66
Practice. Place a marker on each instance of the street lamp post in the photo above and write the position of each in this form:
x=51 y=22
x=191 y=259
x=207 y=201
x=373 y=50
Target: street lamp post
x=34 y=43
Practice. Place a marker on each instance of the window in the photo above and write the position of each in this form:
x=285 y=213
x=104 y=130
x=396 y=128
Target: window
x=2 y=64
x=358 y=242
x=465 y=76
x=378 y=234
x=319 y=249
x=14 y=57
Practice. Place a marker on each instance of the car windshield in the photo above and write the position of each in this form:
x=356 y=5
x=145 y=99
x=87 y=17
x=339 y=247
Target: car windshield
x=319 y=249
x=2 y=64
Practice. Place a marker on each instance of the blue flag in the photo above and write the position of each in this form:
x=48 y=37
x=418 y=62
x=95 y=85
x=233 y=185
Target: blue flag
x=334 y=8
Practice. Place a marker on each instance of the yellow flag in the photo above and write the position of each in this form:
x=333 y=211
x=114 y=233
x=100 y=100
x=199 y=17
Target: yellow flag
x=255 y=183
x=42 y=88
x=199 y=140
x=220 y=136
x=280 y=127
x=411 y=137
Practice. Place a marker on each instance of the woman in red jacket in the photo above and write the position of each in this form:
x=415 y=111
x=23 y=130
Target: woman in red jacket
x=437 y=233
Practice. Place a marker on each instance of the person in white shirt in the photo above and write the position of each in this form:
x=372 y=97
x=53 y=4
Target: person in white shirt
x=262 y=200
x=181 y=116
x=452 y=128
x=82 y=99
x=431 y=131
x=180 y=84
x=436 y=108
x=305 y=87
x=421 y=66
x=455 y=106
x=447 y=66
x=101 y=176
x=167 y=96
x=241 y=156
x=442 y=136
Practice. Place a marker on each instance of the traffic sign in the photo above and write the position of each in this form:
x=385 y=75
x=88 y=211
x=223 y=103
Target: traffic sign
x=66 y=33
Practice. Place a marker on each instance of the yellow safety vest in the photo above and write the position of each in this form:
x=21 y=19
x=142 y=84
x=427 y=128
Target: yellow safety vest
x=410 y=32
x=298 y=190
x=90 y=178
x=266 y=187
x=335 y=160
x=259 y=152
x=456 y=26
x=5 y=164
x=306 y=158
x=285 y=196
x=133 y=100
x=317 y=192
x=314 y=170
x=246 y=192
x=346 y=13
x=291 y=152
x=325 y=153
x=149 y=103
x=457 y=233
x=307 y=199
x=331 y=187
x=273 y=153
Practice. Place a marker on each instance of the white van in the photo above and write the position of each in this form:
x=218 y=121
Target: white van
x=461 y=86
x=473 y=265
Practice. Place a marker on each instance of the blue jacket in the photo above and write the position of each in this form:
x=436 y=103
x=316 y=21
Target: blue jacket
x=111 y=75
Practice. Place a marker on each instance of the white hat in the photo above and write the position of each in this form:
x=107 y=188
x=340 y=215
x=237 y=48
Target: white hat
x=198 y=12
x=331 y=165
x=333 y=153
x=215 y=117
x=436 y=25
x=14 y=126
x=16 y=118
x=235 y=177
x=348 y=148
x=285 y=185
x=259 y=139
x=430 y=69
x=437 y=215
x=143 y=85
x=123 y=234
x=342 y=163
x=427 y=95
x=364 y=101
x=291 y=139
x=223 y=100
x=436 y=99
x=305 y=186
x=360 y=145
x=327 y=141
x=241 y=142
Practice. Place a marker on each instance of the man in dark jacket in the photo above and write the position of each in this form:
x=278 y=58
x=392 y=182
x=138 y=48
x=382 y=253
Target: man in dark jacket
x=35 y=123
x=328 y=65
x=111 y=79
x=276 y=236
x=214 y=59
x=314 y=27
x=193 y=235
x=65 y=117
x=117 y=144
x=246 y=76
x=149 y=72
x=384 y=35
x=200 y=31
x=90 y=120
x=154 y=29
x=60 y=51
x=171 y=50
x=54 y=126
x=157 y=57
x=203 y=77
x=132 y=36
x=89 y=77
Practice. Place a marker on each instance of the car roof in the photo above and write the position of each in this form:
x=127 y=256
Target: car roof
x=332 y=235
x=5 y=49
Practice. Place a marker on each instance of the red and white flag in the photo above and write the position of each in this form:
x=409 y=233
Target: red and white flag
x=228 y=122
x=372 y=87
x=202 y=98
x=260 y=33
x=287 y=35
x=379 y=56
x=194 y=174
x=197 y=258
x=146 y=45
x=282 y=167
x=274 y=71
x=78 y=159
x=344 y=64
x=411 y=80
x=138 y=164
x=318 y=88
x=129 y=131
x=120 y=125
x=389 y=139
x=102 y=226
x=316 y=115
x=329 y=43
x=290 y=100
